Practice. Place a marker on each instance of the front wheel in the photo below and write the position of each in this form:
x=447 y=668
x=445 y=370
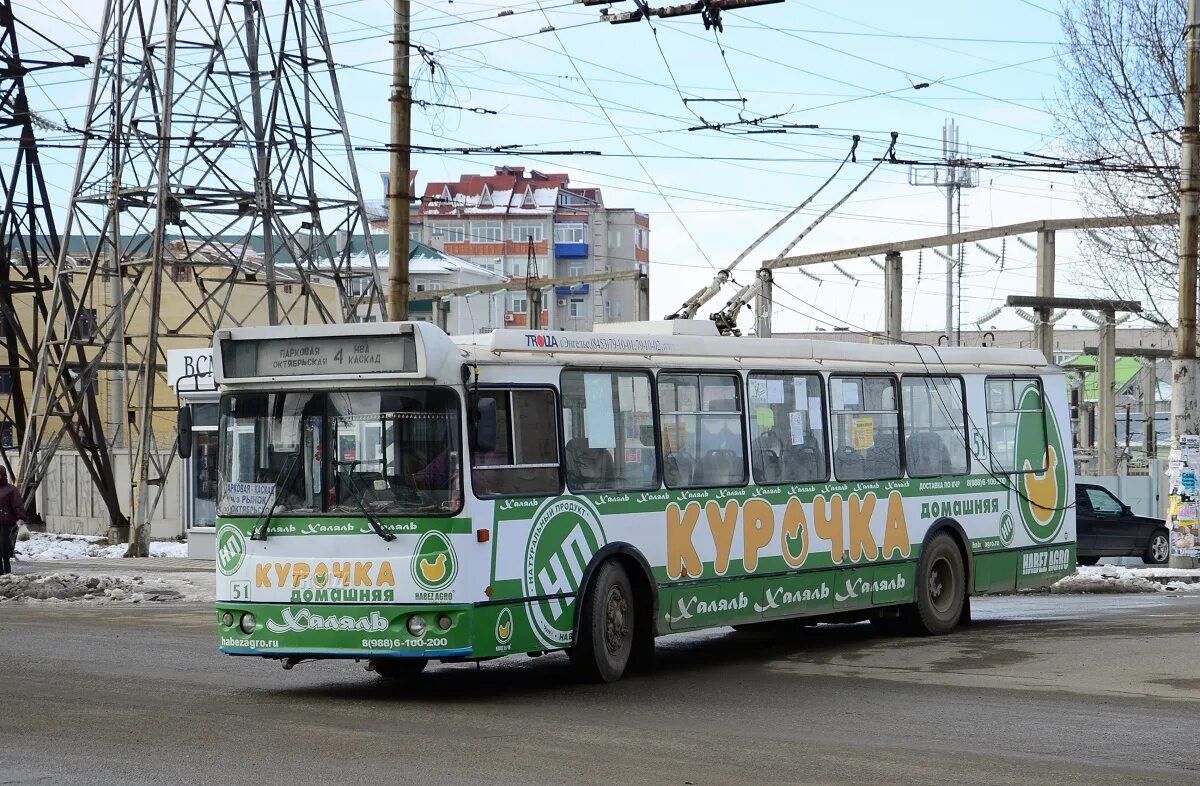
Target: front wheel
x=941 y=588
x=601 y=652
x=1158 y=550
x=397 y=668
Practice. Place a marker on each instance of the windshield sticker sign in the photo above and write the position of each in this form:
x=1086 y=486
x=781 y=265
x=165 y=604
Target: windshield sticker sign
x=247 y=498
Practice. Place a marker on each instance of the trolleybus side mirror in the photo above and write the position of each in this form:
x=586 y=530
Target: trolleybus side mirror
x=184 y=426
x=485 y=424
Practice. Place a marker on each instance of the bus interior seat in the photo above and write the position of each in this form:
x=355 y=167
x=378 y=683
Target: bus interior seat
x=927 y=454
x=677 y=470
x=803 y=462
x=882 y=459
x=588 y=467
x=850 y=464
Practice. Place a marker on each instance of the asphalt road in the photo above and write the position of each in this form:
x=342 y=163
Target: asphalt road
x=1095 y=690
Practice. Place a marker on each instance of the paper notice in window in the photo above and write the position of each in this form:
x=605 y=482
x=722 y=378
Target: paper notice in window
x=765 y=417
x=775 y=391
x=864 y=433
x=800 y=388
x=598 y=411
x=850 y=397
x=758 y=390
x=798 y=421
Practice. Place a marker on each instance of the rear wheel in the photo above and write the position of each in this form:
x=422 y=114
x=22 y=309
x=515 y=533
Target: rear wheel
x=941 y=588
x=1087 y=560
x=398 y=668
x=606 y=626
x=1158 y=550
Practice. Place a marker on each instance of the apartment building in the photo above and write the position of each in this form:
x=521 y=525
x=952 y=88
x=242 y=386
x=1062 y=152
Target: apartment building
x=515 y=221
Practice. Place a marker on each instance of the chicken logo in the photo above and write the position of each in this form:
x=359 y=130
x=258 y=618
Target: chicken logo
x=434 y=571
x=504 y=627
x=434 y=563
x=1041 y=491
x=1042 y=484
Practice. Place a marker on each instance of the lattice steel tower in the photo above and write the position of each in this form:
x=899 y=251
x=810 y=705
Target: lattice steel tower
x=210 y=125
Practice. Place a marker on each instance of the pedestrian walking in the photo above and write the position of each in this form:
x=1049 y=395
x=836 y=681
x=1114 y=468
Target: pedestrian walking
x=12 y=516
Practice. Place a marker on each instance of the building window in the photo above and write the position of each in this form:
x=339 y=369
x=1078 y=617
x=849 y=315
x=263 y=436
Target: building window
x=8 y=434
x=414 y=234
x=451 y=232
x=519 y=304
x=287 y=289
x=641 y=237
x=521 y=231
x=614 y=238
x=87 y=322
x=6 y=381
x=181 y=272
x=357 y=286
x=575 y=308
x=572 y=232
x=487 y=232
x=575 y=269
x=516 y=267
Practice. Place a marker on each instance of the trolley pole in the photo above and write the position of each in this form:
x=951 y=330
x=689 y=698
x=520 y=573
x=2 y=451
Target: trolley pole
x=399 y=173
x=1184 y=400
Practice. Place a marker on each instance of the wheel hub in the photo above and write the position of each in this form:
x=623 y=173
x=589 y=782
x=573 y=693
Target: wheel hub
x=616 y=620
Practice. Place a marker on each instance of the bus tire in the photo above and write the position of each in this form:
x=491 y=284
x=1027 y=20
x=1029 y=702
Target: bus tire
x=606 y=627
x=398 y=668
x=941 y=588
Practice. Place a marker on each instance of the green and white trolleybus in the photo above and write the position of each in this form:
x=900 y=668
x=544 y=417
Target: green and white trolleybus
x=393 y=494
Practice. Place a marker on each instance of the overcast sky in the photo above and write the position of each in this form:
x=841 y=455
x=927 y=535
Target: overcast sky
x=619 y=89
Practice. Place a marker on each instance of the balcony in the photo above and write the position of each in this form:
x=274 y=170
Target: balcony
x=570 y=250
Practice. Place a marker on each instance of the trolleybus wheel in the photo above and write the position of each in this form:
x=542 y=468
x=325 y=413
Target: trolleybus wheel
x=941 y=588
x=398 y=668
x=606 y=628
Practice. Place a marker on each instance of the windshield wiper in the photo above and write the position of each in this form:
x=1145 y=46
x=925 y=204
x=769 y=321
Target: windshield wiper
x=261 y=532
x=360 y=498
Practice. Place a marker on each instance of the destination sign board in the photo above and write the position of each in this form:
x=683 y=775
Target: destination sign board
x=325 y=355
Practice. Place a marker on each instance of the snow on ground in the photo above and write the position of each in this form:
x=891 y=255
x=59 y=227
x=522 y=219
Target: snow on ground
x=64 y=587
x=45 y=546
x=1114 y=578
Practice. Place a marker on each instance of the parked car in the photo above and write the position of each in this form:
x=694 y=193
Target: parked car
x=1106 y=527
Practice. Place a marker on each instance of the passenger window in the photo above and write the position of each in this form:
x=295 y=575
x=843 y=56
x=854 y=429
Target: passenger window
x=1103 y=502
x=866 y=426
x=608 y=425
x=525 y=459
x=701 y=426
x=935 y=441
x=787 y=428
x=1010 y=401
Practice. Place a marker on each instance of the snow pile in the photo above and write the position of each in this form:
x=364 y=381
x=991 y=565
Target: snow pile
x=1114 y=578
x=101 y=589
x=45 y=546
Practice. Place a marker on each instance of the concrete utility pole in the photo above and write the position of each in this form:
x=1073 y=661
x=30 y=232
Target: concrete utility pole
x=399 y=174
x=893 y=278
x=763 y=303
x=1043 y=329
x=1106 y=363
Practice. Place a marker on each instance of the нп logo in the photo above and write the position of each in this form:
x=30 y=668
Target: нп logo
x=566 y=533
x=231 y=549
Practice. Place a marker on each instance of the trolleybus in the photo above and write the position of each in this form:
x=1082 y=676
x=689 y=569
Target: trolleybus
x=395 y=495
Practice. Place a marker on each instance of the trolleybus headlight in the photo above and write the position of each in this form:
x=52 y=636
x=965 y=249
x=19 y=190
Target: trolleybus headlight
x=248 y=623
x=227 y=620
x=416 y=625
x=444 y=622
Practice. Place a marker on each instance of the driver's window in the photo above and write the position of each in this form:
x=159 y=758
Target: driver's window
x=1103 y=502
x=787 y=428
